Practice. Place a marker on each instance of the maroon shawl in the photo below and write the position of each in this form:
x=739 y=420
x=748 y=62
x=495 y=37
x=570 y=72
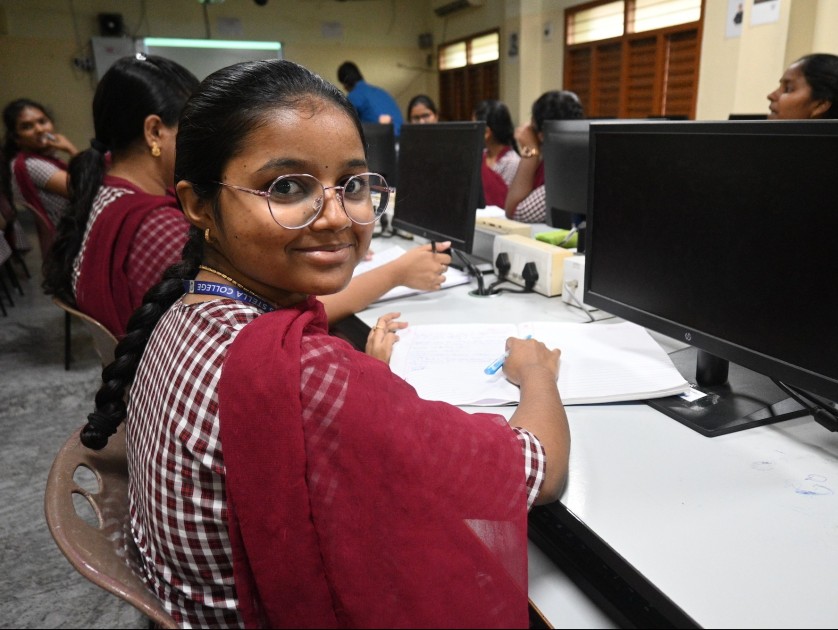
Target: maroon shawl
x=396 y=512
x=29 y=192
x=494 y=188
x=104 y=291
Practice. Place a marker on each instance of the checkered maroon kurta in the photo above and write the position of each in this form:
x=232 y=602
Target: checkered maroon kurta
x=178 y=503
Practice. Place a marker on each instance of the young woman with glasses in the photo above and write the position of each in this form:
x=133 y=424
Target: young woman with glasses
x=278 y=477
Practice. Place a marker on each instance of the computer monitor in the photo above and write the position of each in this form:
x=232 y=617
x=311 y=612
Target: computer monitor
x=439 y=181
x=565 y=151
x=381 y=150
x=722 y=235
x=747 y=117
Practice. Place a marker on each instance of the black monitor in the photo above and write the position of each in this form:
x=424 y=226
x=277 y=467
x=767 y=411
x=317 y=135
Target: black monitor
x=565 y=151
x=747 y=117
x=722 y=235
x=381 y=150
x=439 y=181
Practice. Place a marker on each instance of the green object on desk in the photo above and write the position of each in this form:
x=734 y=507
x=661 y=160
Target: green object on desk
x=557 y=237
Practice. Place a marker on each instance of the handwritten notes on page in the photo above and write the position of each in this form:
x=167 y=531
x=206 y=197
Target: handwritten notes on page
x=599 y=362
x=453 y=276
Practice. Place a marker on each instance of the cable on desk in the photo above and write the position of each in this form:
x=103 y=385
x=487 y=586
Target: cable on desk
x=827 y=418
x=570 y=288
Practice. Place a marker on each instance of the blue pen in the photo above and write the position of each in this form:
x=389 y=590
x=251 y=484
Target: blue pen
x=497 y=364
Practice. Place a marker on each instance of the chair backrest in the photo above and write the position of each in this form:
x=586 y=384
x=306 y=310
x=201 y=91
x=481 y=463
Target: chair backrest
x=106 y=555
x=104 y=340
x=44 y=227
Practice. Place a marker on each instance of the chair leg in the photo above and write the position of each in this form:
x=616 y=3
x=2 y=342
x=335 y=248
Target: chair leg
x=19 y=259
x=67 y=339
x=5 y=290
x=10 y=271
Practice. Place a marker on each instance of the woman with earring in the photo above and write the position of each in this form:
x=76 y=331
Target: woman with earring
x=34 y=172
x=278 y=478
x=123 y=227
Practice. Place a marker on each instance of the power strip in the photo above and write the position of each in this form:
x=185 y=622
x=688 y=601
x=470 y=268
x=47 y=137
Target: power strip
x=548 y=260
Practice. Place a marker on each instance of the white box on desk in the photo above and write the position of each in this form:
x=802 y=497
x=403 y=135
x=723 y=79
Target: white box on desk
x=548 y=259
x=487 y=228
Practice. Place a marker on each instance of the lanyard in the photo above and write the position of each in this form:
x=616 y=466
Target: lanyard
x=202 y=287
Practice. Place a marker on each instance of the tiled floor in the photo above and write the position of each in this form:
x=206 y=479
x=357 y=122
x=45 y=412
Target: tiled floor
x=40 y=405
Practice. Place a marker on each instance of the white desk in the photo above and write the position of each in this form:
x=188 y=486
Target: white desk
x=739 y=530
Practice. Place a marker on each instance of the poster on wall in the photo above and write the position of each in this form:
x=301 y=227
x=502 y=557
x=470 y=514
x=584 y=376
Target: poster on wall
x=733 y=24
x=765 y=12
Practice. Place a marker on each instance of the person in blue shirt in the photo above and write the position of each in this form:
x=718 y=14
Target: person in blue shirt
x=372 y=103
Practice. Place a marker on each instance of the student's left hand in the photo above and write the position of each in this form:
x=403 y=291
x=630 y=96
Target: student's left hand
x=383 y=335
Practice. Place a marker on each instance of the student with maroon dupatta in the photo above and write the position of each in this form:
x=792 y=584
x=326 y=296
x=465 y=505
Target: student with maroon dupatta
x=123 y=228
x=278 y=477
x=34 y=174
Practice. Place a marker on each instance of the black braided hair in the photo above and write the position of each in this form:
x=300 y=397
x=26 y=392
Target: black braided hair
x=132 y=89
x=215 y=123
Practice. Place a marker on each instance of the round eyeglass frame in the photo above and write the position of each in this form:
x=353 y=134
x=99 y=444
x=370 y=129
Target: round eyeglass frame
x=339 y=193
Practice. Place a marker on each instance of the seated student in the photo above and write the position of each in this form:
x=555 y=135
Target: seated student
x=808 y=89
x=34 y=174
x=421 y=109
x=123 y=228
x=500 y=160
x=526 y=201
x=373 y=104
x=278 y=477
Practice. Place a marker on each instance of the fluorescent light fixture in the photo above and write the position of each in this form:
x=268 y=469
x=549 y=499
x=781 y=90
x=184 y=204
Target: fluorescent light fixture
x=226 y=44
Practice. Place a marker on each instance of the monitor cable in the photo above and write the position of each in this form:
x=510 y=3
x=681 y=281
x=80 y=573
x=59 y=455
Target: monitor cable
x=474 y=271
x=824 y=416
x=571 y=287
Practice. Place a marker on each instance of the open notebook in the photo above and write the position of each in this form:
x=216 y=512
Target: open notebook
x=453 y=276
x=599 y=363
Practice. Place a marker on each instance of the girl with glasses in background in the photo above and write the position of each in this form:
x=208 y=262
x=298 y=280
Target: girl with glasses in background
x=278 y=477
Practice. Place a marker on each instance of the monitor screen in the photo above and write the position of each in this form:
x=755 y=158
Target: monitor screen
x=381 y=150
x=439 y=181
x=721 y=235
x=565 y=151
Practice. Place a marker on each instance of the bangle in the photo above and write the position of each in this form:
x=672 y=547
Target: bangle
x=529 y=152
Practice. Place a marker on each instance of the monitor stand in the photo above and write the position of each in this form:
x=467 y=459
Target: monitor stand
x=748 y=399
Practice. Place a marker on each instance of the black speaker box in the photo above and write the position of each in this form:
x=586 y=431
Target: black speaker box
x=111 y=25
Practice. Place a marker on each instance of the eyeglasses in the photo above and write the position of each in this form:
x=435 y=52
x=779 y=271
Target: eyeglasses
x=295 y=201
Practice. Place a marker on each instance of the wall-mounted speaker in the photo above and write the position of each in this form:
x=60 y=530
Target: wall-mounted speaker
x=111 y=25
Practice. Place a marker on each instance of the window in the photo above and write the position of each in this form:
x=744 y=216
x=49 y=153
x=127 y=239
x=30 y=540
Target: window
x=634 y=58
x=468 y=73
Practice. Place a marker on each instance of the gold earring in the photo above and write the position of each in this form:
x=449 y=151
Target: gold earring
x=155 y=149
x=207 y=235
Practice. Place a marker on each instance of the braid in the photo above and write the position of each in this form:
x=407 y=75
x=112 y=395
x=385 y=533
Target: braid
x=117 y=377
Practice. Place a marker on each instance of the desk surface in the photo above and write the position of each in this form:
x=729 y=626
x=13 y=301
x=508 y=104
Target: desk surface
x=739 y=530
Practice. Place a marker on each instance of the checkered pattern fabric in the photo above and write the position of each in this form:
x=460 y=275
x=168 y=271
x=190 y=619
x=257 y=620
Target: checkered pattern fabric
x=177 y=497
x=533 y=209
x=40 y=171
x=156 y=245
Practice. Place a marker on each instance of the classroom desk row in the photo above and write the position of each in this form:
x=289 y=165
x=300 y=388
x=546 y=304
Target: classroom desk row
x=735 y=531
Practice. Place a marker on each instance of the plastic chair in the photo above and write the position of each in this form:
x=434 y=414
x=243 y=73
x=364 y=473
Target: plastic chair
x=104 y=554
x=104 y=340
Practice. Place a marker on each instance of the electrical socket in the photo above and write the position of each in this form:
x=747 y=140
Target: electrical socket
x=548 y=260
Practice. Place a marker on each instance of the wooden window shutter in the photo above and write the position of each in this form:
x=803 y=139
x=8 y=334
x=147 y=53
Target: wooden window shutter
x=605 y=96
x=641 y=71
x=578 y=72
x=681 y=73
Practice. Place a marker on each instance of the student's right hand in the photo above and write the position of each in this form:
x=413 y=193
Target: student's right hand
x=62 y=143
x=528 y=356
